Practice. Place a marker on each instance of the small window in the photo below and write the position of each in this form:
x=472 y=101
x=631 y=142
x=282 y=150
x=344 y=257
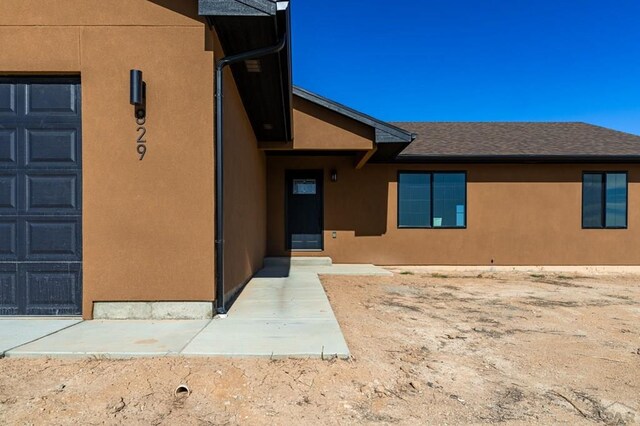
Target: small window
x=304 y=186
x=432 y=200
x=604 y=200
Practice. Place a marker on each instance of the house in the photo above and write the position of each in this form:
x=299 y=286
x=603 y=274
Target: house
x=124 y=178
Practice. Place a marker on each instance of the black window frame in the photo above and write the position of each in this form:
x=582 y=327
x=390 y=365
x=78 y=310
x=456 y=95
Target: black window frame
x=431 y=172
x=603 y=211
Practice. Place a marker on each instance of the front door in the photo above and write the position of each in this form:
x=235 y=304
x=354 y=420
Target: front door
x=303 y=221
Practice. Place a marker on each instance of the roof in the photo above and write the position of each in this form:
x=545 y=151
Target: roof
x=524 y=141
x=241 y=7
x=389 y=140
x=385 y=132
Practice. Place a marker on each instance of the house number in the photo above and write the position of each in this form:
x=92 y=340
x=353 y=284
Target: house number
x=141 y=142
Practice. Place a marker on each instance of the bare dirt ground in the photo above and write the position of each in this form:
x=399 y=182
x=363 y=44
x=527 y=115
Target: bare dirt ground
x=427 y=348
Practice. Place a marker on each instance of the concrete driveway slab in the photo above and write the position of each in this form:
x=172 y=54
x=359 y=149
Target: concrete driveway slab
x=115 y=339
x=19 y=331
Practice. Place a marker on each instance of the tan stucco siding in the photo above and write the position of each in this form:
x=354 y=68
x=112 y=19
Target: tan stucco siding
x=315 y=127
x=245 y=193
x=147 y=225
x=99 y=13
x=516 y=215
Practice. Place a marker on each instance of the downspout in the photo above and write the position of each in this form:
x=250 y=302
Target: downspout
x=219 y=192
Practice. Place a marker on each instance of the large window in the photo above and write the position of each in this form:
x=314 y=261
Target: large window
x=604 y=200
x=432 y=200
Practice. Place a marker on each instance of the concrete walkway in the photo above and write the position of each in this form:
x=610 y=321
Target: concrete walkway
x=282 y=312
x=20 y=331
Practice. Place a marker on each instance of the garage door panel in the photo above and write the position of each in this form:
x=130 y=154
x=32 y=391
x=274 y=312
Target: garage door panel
x=52 y=289
x=52 y=239
x=8 y=99
x=52 y=192
x=51 y=147
x=8 y=147
x=8 y=289
x=8 y=239
x=51 y=99
x=8 y=193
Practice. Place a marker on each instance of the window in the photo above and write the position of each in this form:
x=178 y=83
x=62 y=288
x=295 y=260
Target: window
x=432 y=200
x=604 y=200
x=304 y=186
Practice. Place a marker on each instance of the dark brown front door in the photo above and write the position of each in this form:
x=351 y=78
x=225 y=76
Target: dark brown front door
x=303 y=221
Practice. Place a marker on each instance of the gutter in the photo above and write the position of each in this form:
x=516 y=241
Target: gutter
x=515 y=158
x=218 y=152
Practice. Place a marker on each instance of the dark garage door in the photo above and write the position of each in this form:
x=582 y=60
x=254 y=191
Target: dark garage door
x=40 y=197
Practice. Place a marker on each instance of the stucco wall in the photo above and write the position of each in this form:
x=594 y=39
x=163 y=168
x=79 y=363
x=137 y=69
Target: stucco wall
x=316 y=127
x=245 y=193
x=522 y=214
x=147 y=225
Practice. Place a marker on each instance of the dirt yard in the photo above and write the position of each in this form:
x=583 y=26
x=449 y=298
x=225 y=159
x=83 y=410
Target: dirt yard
x=427 y=348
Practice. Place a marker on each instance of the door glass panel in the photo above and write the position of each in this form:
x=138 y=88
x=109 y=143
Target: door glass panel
x=304 y=186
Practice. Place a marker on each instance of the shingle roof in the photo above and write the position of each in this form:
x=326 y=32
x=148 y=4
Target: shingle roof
x=562 y=141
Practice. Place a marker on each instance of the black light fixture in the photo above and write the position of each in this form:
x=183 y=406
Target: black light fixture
x=137 y=93
x=334 y=175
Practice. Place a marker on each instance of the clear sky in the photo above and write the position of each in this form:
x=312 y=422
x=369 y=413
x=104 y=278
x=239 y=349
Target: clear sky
x=474 y=60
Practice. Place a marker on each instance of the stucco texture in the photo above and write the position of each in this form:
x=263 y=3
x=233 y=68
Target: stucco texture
x=317 y=128
x=147 y=225
x=517 y=214
x=245 y=192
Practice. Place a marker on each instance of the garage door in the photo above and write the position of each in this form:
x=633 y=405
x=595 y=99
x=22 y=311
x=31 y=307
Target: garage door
x=40 y=197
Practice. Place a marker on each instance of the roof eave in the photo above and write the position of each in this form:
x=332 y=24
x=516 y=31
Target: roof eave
x=559 y=159
x=241 y=7
x=244 y=25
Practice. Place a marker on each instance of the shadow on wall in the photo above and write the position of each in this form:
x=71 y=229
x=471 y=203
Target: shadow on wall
x=185 y=8
x=352 y=204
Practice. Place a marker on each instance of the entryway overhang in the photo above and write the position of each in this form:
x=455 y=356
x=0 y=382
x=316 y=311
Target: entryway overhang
x=326 y=127
x=389 y=140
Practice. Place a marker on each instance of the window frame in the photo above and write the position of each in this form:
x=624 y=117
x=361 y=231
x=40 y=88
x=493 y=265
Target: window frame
x=431 y=172
x=603 y=210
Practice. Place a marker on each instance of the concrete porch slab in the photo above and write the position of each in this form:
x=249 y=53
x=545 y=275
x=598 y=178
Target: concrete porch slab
x=15 y=332
x=359 y=269
x=297 y=261
x=115 y=339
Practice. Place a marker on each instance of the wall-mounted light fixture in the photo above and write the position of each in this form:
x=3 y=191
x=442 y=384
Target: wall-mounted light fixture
x=137 y=93
x=334 y=175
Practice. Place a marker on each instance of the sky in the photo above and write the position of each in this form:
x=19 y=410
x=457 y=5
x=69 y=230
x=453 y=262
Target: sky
x=473 y=60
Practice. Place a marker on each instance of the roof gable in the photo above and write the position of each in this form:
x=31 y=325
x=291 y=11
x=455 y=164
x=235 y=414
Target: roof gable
x=385 y=132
